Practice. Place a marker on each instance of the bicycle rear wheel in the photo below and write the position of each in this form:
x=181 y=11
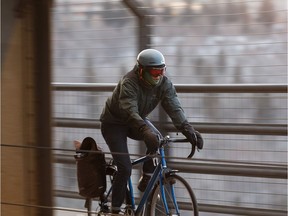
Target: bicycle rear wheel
x=184 y=204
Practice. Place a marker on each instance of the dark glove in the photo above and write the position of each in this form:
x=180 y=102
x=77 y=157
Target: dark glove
x=193 y=136
x=150 y=138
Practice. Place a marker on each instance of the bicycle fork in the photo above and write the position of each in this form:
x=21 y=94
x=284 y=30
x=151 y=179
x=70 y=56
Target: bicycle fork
x=170 y=186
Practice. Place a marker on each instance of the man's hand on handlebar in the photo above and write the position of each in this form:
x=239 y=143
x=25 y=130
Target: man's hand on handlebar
x=151 y=139
x=199 y=141
x=193 y=136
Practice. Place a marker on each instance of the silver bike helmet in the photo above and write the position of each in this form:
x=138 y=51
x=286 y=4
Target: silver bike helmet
x=151 y=64
x=150 y=58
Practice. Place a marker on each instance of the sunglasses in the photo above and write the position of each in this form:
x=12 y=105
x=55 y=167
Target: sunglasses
x=155 y=72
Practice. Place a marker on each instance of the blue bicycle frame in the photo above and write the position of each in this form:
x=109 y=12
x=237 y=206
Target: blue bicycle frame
x=159 y=171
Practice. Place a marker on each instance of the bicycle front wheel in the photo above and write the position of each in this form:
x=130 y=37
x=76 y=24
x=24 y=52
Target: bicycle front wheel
x=180 y=199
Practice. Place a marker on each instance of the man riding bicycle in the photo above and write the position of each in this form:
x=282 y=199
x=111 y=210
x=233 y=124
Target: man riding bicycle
x=125 y=115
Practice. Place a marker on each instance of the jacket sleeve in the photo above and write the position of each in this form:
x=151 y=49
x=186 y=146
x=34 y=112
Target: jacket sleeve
x=128 y=102
x=172 y=106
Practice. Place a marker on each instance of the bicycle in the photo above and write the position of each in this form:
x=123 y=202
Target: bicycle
x=166 y=193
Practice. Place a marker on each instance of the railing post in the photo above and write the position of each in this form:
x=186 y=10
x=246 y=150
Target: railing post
x=43 y=109
x=144 y=21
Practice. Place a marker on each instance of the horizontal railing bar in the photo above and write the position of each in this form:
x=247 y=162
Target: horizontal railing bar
x=231 y=169
x=68 y=194
x=214 y=128
x=235 y=88
x=236 y=210
x=262 y=171
x=181 y=88
x=235 y=128
x=100 y=87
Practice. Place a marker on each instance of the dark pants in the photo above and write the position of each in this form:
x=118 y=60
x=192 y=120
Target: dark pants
x=116 y=136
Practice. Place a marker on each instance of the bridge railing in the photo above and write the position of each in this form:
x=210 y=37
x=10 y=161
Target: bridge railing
x=202 y=166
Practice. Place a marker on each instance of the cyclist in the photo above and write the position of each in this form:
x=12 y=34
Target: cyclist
x=125 y=115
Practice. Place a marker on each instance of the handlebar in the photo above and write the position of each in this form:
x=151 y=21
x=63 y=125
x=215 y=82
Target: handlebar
x=167 y=140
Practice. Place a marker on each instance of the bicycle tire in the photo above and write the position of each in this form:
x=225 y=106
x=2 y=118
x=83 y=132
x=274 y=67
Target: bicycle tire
x=185 y=198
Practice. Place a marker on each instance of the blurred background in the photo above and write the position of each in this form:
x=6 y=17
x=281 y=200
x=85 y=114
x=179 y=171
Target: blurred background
x=227 y=59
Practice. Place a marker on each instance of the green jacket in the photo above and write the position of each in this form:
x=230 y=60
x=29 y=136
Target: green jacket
x=132 y=101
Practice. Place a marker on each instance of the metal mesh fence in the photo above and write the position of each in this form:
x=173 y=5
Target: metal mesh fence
x=204 y=42
x=265 y=150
